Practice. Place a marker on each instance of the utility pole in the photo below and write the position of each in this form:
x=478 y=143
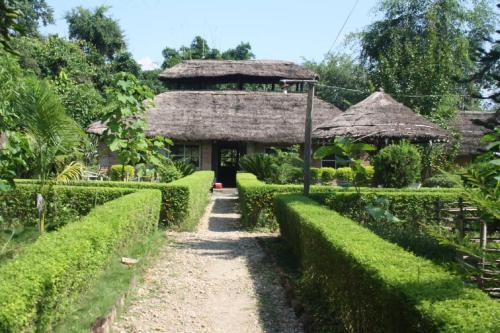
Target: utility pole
x=307 y=131
x=307 y=138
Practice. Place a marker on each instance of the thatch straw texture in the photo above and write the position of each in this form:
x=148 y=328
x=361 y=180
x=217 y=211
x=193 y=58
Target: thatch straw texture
x=266 y=117
x=471 y=130
x=251 y=71
x=380 y=117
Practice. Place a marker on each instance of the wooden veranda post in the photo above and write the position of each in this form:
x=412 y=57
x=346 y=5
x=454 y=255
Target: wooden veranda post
x=307 y=138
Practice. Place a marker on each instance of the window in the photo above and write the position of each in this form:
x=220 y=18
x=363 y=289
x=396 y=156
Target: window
x=188 y=153
x=328 y=162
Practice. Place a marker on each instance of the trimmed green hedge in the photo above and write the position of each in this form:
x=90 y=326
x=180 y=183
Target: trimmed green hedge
x=256 y=197
x=416 y=210
x=184 y=200
x=37 y=287
x=64 y=203
x=374 y=285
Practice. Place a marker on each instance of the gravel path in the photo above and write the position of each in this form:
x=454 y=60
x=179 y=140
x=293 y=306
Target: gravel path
x=217 y=279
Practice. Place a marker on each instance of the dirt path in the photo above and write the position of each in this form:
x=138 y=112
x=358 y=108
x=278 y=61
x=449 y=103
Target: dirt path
x=214 y=280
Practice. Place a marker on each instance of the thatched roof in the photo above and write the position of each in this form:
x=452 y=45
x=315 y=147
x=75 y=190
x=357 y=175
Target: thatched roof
x=235 y=71
x=267 y=117
x=378 y=117
x=471 y=130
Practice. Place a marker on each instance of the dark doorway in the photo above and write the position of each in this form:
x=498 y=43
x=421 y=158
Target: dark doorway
x=225 y=159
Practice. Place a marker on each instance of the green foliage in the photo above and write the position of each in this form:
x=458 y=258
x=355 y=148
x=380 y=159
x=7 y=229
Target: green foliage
x=168 y=173
x=340 y=70
x=347 y=152
x=315 y=175
x=121 y=172
x=150 y=79
x=37 y=287
x=184 y=200
x=184 y=167
x=49 y=56
x=9 y=20
x=199 y=49
x=327 y=175
x=261 y=165
x=397 y=165
x=126 y=124
x=65 y=203
x=256 y=197
x=403 y=218
x=34 y=13
x=366 y=280
x=50 y=131
x=426 y=48
x=97 y=29
x=278 y=167
x=442 y=180
x=81 y=101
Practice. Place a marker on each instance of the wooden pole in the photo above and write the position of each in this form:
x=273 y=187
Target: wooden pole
x=307 y=138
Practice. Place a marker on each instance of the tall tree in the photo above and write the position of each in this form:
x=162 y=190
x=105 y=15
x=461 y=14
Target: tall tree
x=9 y=23
x=95 y=27
x=34 y=13
x=199 y=49
x=348 y=77
x=424 y=47
x=241 y=52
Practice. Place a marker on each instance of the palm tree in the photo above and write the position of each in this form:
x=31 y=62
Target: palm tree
x=52 y=135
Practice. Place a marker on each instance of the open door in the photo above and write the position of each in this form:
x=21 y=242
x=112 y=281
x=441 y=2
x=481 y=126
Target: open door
x=226 y=161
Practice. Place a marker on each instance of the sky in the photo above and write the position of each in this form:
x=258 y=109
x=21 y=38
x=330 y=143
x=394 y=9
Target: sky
x=276 y=29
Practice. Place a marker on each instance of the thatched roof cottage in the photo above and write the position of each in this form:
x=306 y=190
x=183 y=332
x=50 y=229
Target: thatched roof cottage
x=380 y=119
x=213 y=128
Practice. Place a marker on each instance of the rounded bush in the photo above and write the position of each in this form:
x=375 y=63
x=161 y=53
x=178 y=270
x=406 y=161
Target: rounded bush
x=344 y=173
x=327 y=174
x=118 y=172
x=168 y=173
x=397 y=165
x=315 y=175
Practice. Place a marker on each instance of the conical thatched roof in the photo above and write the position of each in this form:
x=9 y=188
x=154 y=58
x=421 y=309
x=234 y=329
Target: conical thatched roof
x=377 y=117
x=244 y=71
x=468 y=123
x=266 y=117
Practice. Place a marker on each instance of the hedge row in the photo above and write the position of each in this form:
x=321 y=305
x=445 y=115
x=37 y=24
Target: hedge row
x=37 y=287
x=184 y=200
x=64 y=203
x=417 y=213
x=256 y=197
x=374 y=285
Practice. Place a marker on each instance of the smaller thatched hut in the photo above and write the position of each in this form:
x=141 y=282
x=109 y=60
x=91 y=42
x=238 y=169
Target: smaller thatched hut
x=472 y=127
x=379 y=119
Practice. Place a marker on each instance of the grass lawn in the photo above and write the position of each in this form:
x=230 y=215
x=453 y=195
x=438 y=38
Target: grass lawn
x=110 y=285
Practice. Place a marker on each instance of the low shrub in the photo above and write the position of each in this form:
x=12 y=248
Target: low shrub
x=327 y=174
x=442 y=180
x=256 y=197
x=347 y=175
x=37 y=287
x=397 y=165
x=168 y=173
x=64 y=203
x=120 y=172
x=416 y=211
x=373 y=285
x=178 y=197
x=315 y=175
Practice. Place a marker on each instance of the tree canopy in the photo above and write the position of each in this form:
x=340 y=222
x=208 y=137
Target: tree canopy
x=98 y=29
x=33 y=13
x=425 y=47
x=199 y=49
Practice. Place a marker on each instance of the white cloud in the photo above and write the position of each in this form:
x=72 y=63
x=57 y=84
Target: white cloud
x=148 y=64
